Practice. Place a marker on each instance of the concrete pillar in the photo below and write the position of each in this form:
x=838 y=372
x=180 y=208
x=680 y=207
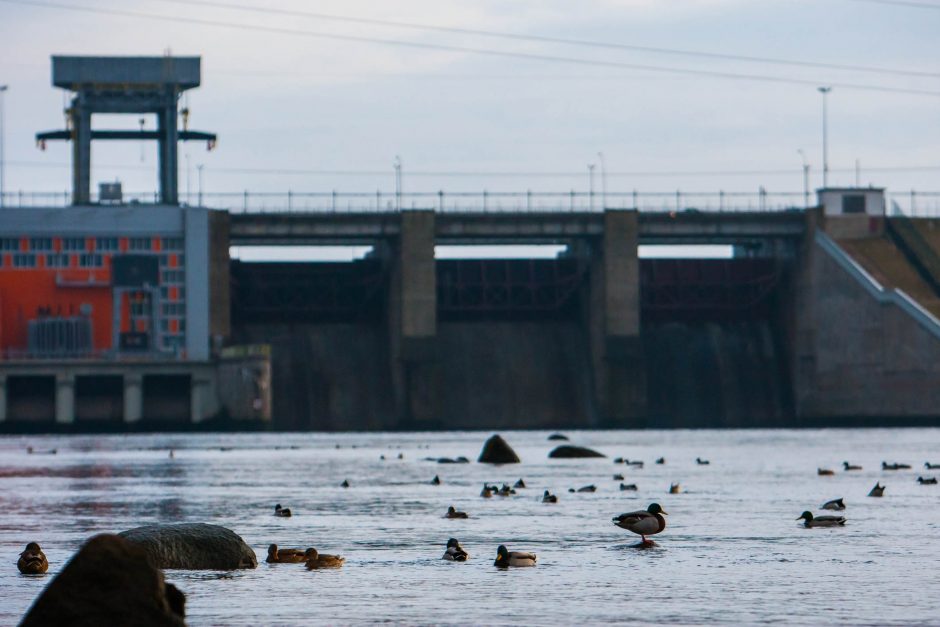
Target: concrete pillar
x=3 y=398
x=614 y=322
x=197 y=389
x=802 y=317
x=64 y=399
x=169 y=145
x=413 y=319
x=81 y=152
x=133 y=398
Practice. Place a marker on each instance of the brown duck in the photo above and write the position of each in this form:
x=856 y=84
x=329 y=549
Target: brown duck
x=285 y=556
x=32 y=561
x=316 y=560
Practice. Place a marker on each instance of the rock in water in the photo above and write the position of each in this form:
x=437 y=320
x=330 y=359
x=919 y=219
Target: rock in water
x=558 y=436
x=567 y=451
x=497 y=451
x=193 y=546
x=110 y=581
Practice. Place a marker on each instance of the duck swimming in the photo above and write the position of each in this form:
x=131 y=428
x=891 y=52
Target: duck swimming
x=821 y=521
x=618 y=477
x=506 y=558
x=487 y=491
x=285 y=556
x=519 y=484
x=344 y=484
x=878 y=490
x=506 y=490
x=628 y=486
x=895 y=466
x=436 y=480
x=454 y=552
x=674 y=488
x=644 y=523
x=32 y=560
x=588 y=488
x=702 y=462
x=283 y=512
x=825 y=472
x=453 y=513
x=548 y=497
x=661 y=461
x=835 y=504
x=847 y=466
x=927 y=481
x=930 y=466
x=315 y=560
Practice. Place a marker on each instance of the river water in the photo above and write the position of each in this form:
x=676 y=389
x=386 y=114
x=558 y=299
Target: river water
x=732 y=551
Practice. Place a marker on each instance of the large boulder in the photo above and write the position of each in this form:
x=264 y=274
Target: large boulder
x=497 y=451
x=193 y=546
x=108 y=582
x=568 y=451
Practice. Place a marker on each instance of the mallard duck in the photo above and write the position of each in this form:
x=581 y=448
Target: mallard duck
x=588 y=488
x=634 y=463
x=930 y=466
x=436 y=480
x=487 y=491
x=629 y=487
x=454 y=552
x=618 y=477
x=344 y=484
x=283 y=512
x=618 y=460
x=506 y=490
x=401 y=456
x=519 y=484
x=674 y=488
x=847 y=466
x=661 y=460
x=835 y=504
x=878 y=490
x=548 y=497
x=644 y=523
x=285 y=556
x=821 y=521
x=453 y=513
x=506 y=558
x=927 y=481
x=32 y=560
x=825 y=472
x=895 y=466
x=315 y=559
x=702 y=462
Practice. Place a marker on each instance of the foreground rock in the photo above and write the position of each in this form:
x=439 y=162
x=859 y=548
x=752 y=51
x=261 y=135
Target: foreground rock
x=108 y=582
x=558 y=436
x=193 y=546
x=567 y=451
x=497 y=451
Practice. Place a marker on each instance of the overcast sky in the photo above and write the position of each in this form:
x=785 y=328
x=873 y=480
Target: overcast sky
x=287 y=104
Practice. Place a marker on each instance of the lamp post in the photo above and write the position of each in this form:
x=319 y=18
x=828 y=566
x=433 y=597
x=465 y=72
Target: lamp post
x=591 y=186
x=825 y=92
x=600 y=156
x=805 y=178
x=3 y=188
x=397 y=165
x=199 y=170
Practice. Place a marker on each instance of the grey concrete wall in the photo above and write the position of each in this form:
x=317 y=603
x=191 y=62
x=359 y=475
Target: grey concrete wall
x=197 y=283
x=220 y=306
x=871 y=357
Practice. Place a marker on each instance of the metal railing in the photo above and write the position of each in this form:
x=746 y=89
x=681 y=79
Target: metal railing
x=911 y=203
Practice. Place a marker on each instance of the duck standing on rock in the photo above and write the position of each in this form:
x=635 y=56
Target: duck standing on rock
x=454 y=552
x=644 y=523
x=821 y=521
x=285 y=556
x=283 y=512
x=453 y=513
x=32 y=561
x=835 y=504
x=315 y=560
x=506 y=558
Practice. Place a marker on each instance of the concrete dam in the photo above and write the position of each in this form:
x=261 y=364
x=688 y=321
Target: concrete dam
x=793 y=330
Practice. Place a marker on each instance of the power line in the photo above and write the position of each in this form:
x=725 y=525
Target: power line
x=554 y=40
x=903 y=3
x=480 y=51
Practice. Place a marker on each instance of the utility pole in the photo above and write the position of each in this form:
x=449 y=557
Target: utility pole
x=199 y=183
x=825 y=92
x=591 y=186
x=805 y=179
x=3 y=189
x=398 y=190
x=600 y=156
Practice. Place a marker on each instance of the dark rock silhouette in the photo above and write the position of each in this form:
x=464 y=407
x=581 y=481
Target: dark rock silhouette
x=567 y=451
x=558 y=436
x=109 y=581
x=497 y=451
x=192 y=546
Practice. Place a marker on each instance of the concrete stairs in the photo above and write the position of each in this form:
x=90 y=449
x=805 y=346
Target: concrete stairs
x=882 y=259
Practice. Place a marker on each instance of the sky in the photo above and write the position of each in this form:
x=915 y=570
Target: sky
x=309 y=104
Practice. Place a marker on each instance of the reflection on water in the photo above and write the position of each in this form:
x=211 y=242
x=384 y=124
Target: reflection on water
x=732 y=551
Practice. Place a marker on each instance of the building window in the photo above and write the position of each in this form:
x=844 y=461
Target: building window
x=40 y=243
x=106 y=243
x=172 y=243
x=9 y=243
x=90 y=261
x=57 y=261
x=140 y=243
x=853 y=203
x=173 y=309
x=172 y=276
x=73 y=243
x=24 y=260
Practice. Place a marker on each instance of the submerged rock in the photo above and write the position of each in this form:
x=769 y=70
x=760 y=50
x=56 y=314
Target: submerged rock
x=497 y=451
x=567 y=451
x=192 y=546
x=558 y=436
x=110 y=581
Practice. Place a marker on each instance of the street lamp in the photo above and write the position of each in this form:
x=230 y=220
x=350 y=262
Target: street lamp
x=397 y=165
x=825 y=92
x=591 y=186
x=600 y=156
x=805 y=178
x=3 y=188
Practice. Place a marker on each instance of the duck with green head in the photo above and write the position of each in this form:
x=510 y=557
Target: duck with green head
x=454 y=552
x=821 y=521
x=506 y=558
x=644 y=523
